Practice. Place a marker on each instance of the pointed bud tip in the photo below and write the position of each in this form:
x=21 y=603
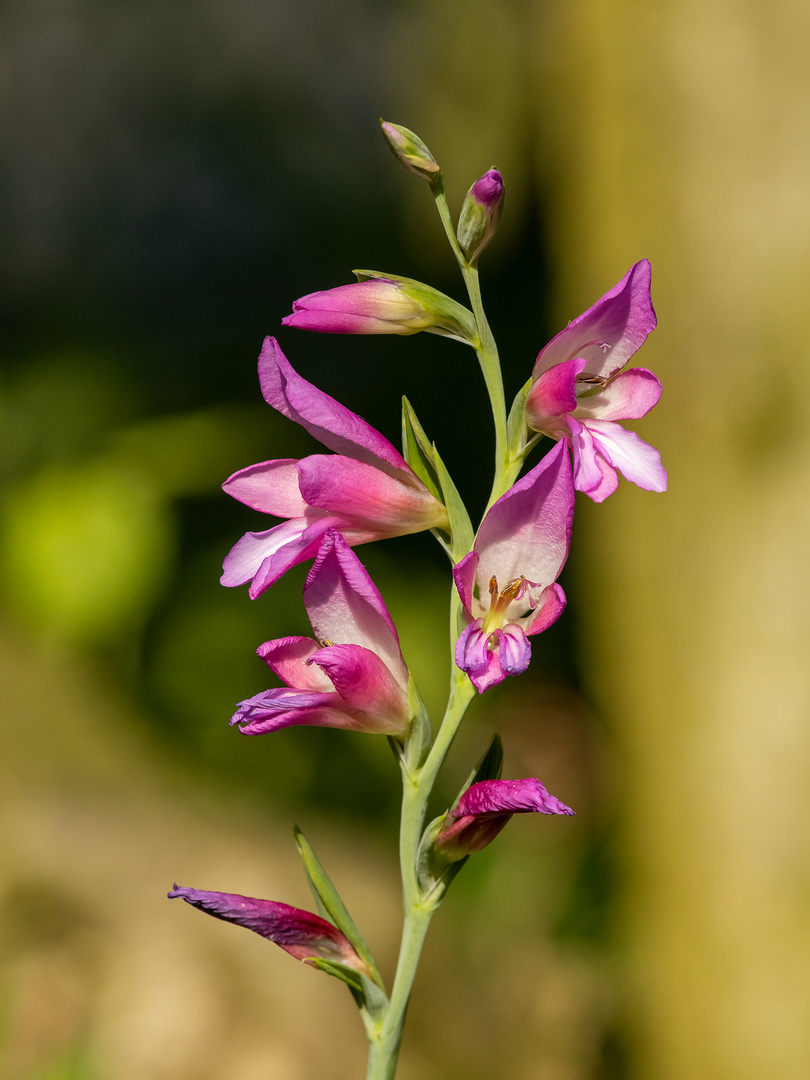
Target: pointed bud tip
x=410 y=151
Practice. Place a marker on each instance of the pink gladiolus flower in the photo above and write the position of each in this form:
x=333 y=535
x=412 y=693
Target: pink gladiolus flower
x=300 y=933
x=484 y=809
x=353 y=676
x=365 y=489
x=507 y=582
x=579 y=390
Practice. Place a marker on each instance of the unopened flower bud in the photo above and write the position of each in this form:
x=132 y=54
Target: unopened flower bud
x=382 y=304
x=411 y=151
x=480 y=214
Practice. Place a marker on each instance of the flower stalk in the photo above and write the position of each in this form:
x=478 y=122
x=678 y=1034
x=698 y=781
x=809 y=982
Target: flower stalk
x=351 y=674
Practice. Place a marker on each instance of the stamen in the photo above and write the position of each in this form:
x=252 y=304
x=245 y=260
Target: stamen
x=325 y=643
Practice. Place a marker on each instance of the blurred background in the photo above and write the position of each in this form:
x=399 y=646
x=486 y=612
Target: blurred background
x=174 y=175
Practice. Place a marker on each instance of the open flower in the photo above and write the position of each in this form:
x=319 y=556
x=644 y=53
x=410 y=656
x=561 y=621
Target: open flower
x=353 y=676
x=303 y=935
x=484 y=809
x=365 y=489
x=579 y=390
x=507 y=582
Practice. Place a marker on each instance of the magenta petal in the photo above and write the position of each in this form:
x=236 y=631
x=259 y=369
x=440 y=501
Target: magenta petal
x=473 y=655
x=270 y=486
x=357 y=490
x=273 y=710
x=344 y=605
x=528 y=530
x=514 y=649
x=550 y=606
x=509 y=797
x=628 y=396
x=607 y=334
x=553 y=394
x=300 y=933
x=249 y=553
x=288 y=658
x=636 y=460
x=464 y=577
x=324 y=418
x=366 y=686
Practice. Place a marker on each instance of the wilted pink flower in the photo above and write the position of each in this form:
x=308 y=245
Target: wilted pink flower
x=382 y=304
x=484 y=809
x=579 y=390
x=365 y=489
x=506 y=583
x=300 y=933
x=353 y=676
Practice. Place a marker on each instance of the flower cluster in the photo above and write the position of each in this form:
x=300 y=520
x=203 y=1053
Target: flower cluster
x=351 y=673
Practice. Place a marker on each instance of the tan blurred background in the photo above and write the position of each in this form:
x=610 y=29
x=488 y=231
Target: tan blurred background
x=174 y=176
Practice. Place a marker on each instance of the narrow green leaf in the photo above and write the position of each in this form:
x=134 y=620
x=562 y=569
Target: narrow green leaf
x=516 y=423
x=460 y=527
x=489 y=767
x=330 y=904
x=417 y=450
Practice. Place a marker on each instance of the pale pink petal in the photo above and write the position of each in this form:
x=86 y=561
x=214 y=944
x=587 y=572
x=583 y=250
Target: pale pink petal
x=287 y=658
x=607 y=334
x=248 y=553
x=528 y=530
x=356 y=490
x=629 y=395
x=550 y=607
x=270 y=486
x=636 y=460
x=366 y=686
x=345 y=606
x=593 y=474
x=324 y=418
x=553 y=394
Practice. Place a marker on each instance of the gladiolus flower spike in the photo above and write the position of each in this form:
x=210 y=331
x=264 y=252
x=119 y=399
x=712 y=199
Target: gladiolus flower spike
x=365 y=489
x=507 y=583
x=353 y=676
x=579 y=389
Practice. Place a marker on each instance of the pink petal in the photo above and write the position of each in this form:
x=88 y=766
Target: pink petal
x=636 y=460
x=273 y=710
x=549 y=608
x=509 y=797
x=345 y=606
x=514 y=649
x=298 y=932
x=593 y=473
x=287 y=658
x=528 y=530
x=553 y=394
x=324 y=418
x=464 y=576
x=271 y=487
x=363 y=492
x=366 y=686
x=629 y=395
x=607 y=334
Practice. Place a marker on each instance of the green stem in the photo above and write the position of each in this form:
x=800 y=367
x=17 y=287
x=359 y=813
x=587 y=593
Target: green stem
x=487 y=351
x=418 y=911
